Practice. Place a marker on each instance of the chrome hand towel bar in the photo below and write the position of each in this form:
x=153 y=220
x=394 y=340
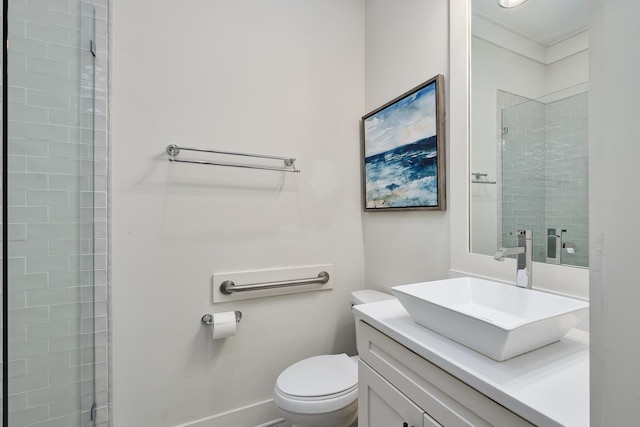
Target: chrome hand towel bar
x=228 y=287
x=289 y=162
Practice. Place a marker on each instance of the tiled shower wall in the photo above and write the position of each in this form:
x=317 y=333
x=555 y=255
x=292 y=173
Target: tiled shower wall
x=522 y=151
x=57 y=240
x=567 y=174
x=544 y=162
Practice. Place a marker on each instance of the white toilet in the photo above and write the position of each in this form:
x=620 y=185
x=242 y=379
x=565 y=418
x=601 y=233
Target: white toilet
x=322 y=391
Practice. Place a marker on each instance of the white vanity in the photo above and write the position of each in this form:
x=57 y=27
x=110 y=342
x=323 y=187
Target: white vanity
x=411 y=376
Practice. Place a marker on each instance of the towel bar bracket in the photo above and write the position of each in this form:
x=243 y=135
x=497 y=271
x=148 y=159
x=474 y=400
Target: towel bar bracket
x=173 y=150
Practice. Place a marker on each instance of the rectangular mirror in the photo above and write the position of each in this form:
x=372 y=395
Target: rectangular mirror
x=529 y=128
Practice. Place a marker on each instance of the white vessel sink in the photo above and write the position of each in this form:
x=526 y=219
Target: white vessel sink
x=500 y=321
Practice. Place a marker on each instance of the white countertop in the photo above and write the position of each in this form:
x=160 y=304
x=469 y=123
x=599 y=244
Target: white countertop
x=547 y=387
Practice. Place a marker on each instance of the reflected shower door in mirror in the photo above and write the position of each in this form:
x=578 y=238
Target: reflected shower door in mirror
x=528 y=144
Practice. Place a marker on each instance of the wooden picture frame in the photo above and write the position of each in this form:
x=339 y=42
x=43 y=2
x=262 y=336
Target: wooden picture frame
x=403 y=151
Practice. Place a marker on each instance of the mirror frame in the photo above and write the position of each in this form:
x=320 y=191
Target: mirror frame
x=553 y=278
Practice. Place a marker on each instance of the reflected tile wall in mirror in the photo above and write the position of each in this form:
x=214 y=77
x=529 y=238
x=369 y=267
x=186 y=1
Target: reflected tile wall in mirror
x=544 y=170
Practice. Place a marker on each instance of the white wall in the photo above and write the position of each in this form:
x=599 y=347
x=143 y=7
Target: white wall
x=406 y=44
x=173 y=225
x=614 y=212
x=281 y=77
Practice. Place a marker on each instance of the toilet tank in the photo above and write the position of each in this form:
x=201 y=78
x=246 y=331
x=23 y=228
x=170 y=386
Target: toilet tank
x=365 y=296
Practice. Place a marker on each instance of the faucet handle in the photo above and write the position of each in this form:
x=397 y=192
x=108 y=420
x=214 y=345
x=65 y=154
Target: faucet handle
x=526 y=234
x=570 y=247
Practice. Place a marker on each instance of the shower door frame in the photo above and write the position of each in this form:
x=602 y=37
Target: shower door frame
x=5 y=217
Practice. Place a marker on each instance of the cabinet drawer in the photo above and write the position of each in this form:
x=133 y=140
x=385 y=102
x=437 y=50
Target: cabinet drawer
x=381 y=405
x=446 y=399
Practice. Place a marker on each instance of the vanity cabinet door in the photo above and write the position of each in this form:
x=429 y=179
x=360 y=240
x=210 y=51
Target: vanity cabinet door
x=444 y=397
x=381 y=405
x=430 y=422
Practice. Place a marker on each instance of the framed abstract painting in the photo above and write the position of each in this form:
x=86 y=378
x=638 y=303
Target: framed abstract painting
x=403 y=151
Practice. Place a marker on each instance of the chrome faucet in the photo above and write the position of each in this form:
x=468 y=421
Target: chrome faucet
x=523 y=252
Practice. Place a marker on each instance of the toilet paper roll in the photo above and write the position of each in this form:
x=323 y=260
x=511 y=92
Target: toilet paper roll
x=223 y=325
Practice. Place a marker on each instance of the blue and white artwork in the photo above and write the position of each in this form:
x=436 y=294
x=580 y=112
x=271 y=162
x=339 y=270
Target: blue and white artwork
x=401 y=152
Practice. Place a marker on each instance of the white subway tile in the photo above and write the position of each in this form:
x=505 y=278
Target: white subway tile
x=27 y=214
x=28 y=114
x=29 y=281
x=22 y=349
x=17 y=164
x=17 y=401
x=64 y=344
x=28 y=46
x=65 y=311
x=29 y=416
x=56 y=328
x=61 y=5
x=29 y=12
x=50 y=394
x=17 y=95
x=44 y=297
x=45 y=264
x=51 y=34
x=16 y=232
x=64 y=85
x=64 y=20
x=17 y=27
x=47 y=362
x=47 y=197
x=47 y=66
x=53 y=165
x=40 y=98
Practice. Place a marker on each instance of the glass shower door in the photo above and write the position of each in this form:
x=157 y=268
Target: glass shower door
x=48 y=248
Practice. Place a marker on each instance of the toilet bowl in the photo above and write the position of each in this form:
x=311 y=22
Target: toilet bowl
x=322 y=391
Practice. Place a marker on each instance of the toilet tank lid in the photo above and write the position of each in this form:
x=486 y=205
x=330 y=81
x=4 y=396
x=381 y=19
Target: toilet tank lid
x=366 y=296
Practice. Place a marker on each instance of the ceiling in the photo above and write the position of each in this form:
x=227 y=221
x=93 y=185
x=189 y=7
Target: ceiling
x=546 y=22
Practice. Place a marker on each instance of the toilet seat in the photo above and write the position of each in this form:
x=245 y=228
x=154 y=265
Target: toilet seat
x=318 y=384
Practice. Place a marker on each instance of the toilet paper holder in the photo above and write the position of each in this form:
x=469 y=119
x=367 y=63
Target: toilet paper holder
x=207 y=319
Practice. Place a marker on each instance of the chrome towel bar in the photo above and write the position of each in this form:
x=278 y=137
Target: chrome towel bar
x=228 y=287
x=289 y=162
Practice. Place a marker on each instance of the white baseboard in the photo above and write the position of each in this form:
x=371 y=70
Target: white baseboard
x=261 y=414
